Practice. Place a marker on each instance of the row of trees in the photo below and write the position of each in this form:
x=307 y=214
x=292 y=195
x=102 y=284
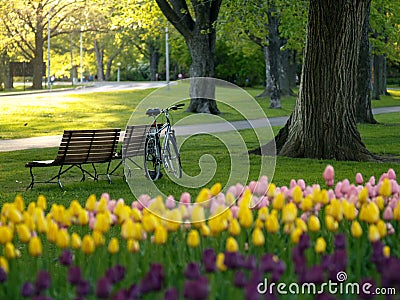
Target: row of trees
x=337 y=39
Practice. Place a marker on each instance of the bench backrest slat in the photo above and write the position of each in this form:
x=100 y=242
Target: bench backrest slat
x=134 y=141
x=88 y=146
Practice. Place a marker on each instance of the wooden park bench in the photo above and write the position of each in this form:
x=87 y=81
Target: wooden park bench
x=79 y=148
x=132 y=146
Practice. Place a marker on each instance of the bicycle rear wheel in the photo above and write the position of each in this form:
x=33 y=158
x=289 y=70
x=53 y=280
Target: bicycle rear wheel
x=152 y=161
x=172 y=158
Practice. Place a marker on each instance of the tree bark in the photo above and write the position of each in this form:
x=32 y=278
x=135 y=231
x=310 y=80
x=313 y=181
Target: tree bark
x=99 y=53
x=364 y=109
x=323 y=123
x=37 y=60
x=287 y=76
x=154 y=60
x=377 y=76
x=200 y=36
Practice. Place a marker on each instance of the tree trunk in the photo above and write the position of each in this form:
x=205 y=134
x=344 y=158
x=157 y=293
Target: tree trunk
x=377 y=76
x=268 y=82
x=154 y=60
x=98 y=51
x=363 y=104
x=37 y=60
x=323 y=123
x=202 y=51
x=285 y=80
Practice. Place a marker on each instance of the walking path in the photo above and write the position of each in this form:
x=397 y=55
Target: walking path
x=54 y=141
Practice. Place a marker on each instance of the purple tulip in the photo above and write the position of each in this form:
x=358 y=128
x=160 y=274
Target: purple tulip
x=267 y=263
x=171 y=294
x=304 y=242
x=115 y=274
x=209 y=258
x=324 y=297
x=134 y=291
x=315 y=274
x=121 y=295
x=234 y=260
x=65 y=258
x=40 y=297
x=196 y=289
x=390 y=273
x=250 y=263
x=192 y=271
x=74 y=275
x=103 y=288
x=43 y=281
x=340 y=241
x=153 y=279
x=239 y=280
x=83 y=288
x=27 y=289
x=3 y=275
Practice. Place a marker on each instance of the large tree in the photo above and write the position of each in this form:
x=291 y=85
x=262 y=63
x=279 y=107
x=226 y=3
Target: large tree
x=197 y=25
x=323 y=123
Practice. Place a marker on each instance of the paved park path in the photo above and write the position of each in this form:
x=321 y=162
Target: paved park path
x=54 y=141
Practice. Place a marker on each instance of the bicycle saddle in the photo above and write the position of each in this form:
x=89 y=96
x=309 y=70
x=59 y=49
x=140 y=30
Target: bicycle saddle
x=153 y=112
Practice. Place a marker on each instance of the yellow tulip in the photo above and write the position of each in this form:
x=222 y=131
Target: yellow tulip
x=205 y=230
x=157 y=206
x=138 y=232
x=370 y=213
x=386 y=188
x=127 y=229
x=91 y=203
x=234 y=227
x=382 y=229
x=373 y=233
x=132 y=245
x=41 y=223
x=313 y=223
x=349 y=210
x=52 y=232
x=307 y=204
x=216 y=189
x=35 y=246
x=41 y=202
x=271 y=190
x=320 y=245
x=198 y=216
x=356 y=230
x=396 y=212
x=160 y=235
x=62 y=240
x=102 y=223
x=4 y=264
x=278 y=201
x=83 y=217
x=245 y=217
x=14 y=215
x=113 y=246
x=297 y=194
x=98 y=238
x=386 y=251
x=231 y=245
x=19 y=203
x=28 y=220
x=23 y=232
x=363 y=195
x=217 y=224
x=289 y=213
x=203 y=196
x=174 y=219
x=9 y=251
x=149 y=222
x=272 y=224
x=258 y=237
x=136 y=215
x=335 y=210
x=263 y=213
x=331 y=223
x=75 y=208
x=6 y=235
x=193 y=238
x=295 y=235
x=88 y=245
x=101 y=205
x=220 y=262
x=31 y=208
x=76 y=241
x=299 y=222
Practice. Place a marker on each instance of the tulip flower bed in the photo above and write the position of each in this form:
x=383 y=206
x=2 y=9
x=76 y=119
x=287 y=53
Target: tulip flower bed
x=250 y=242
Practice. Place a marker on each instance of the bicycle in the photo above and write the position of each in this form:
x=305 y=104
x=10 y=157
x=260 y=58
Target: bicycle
x=168 y=154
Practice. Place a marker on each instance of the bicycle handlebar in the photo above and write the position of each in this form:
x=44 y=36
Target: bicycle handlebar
x=175 y=107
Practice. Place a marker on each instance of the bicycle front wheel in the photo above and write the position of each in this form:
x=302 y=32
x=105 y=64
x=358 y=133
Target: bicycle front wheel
x=172 y=158
x=152 y=161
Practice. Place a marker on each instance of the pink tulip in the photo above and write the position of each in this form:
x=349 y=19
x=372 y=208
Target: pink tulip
x=329 y=175
x=390 y=229
x=106 y=196
x=261 y=188
x=263 y=202
x=111 y=205
x=170 y=202
x=345 y=186
x=185 y=198
x=331 y=194
x=383 y=176
x=234 y=210
x=252 y=186
x=352 y=191
x=338 y=190
x=302 y=184
x=388 y=213
x=391 y=174
x=144 y=200
x=395 y=186
x=92 y=220
x=293 y=183
x=372 y=180
x=220 y=198
x=232 y=190
x=359 y=178
x=239 y=189
x=137 y=205
x=371 y=190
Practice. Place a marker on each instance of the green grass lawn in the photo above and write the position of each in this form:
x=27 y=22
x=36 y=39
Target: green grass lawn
x=48 y=117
